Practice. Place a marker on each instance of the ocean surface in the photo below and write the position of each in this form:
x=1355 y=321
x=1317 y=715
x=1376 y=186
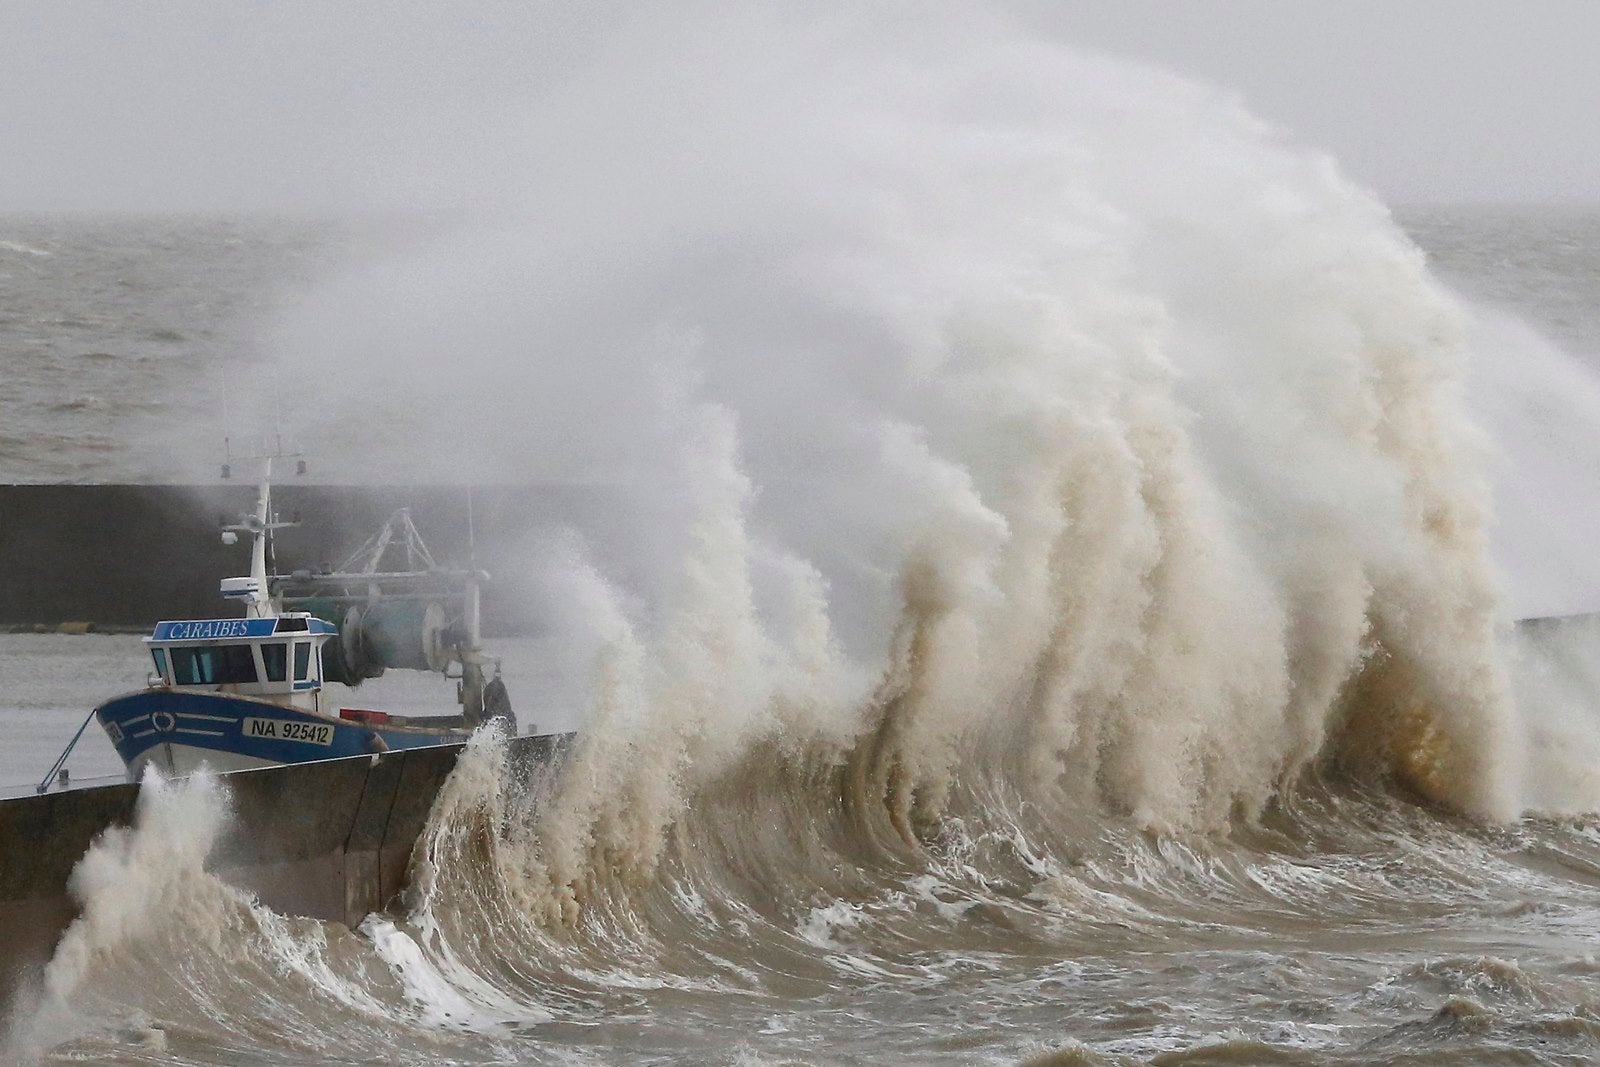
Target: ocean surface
x=1075 y=627
x=123 y=337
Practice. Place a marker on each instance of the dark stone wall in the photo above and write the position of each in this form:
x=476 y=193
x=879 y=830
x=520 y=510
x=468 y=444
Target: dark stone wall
x=331 y=839
x=131 y=555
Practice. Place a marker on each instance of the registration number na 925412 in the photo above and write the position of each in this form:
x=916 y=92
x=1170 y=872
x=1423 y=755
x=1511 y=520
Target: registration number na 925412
x=310 y=733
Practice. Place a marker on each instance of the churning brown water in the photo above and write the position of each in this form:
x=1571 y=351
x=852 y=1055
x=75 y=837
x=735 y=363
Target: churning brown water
x=1060 y=617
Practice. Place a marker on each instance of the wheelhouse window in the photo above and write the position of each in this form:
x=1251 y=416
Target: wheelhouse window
x=213 y=665
x=160 y=656
x=275 y=659
x=302 y=660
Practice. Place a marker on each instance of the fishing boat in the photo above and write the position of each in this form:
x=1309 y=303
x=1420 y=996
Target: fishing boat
x=238 y=693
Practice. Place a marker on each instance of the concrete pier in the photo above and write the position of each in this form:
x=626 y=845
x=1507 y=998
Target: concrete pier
x=331 y=840
x=125 y=556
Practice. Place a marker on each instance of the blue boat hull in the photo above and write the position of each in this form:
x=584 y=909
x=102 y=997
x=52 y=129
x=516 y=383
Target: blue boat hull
x=179 y=731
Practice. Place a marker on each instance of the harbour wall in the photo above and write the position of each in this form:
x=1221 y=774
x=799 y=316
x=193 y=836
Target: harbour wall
x=126 y=556
x=332 y=840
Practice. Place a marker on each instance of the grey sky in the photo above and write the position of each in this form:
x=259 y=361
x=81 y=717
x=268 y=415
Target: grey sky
x=187 y=104
x=1422 y=100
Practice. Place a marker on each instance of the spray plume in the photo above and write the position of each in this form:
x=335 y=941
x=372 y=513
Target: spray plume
x=976 y=406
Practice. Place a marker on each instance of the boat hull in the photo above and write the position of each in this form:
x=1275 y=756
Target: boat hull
x=179 y=732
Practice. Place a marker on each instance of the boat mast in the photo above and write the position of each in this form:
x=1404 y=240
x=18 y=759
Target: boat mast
x=260 y=604
x=255 y=590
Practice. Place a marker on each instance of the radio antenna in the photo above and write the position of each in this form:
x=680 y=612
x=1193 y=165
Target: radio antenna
x=227 y=420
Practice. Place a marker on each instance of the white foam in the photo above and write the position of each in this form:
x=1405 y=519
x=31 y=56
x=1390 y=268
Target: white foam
x=134 y=881
x=819 y=925
x=460 y=1000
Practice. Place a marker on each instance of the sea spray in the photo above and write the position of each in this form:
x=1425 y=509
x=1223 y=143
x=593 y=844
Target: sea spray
x=130 y=887
x=711 y=683
x=1143 y=486
x=1556 y=672
x=134 y=880
x=451 y=972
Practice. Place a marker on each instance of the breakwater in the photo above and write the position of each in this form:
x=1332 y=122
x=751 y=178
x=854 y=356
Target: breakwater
x=331 y=840
x=125 y=556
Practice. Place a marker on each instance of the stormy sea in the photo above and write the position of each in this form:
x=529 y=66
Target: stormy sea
x=1062 y=606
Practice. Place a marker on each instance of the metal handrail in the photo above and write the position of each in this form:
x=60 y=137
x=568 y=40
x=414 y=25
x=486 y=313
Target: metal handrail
x=50 y=775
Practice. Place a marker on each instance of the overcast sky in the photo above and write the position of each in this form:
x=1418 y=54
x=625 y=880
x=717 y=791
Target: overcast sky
x=178 y=104
x=1422 y=100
